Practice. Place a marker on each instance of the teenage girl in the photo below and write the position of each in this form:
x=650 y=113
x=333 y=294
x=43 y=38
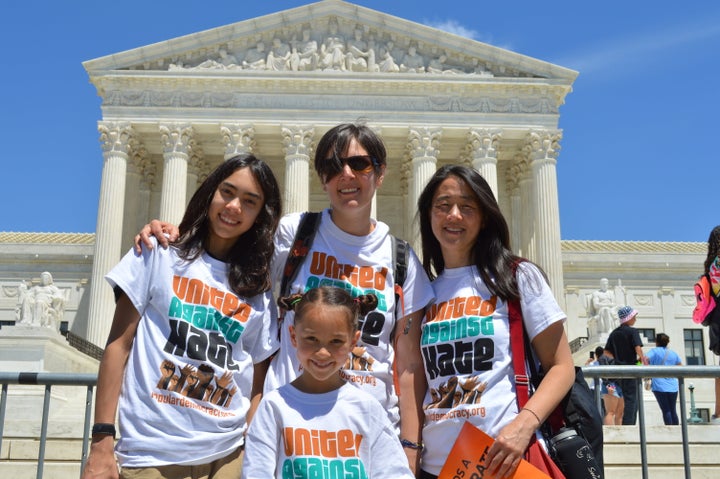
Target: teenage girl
x=319 y=425
x=191 y=337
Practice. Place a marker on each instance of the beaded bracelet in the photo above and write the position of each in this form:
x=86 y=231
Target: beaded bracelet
x=412 y=445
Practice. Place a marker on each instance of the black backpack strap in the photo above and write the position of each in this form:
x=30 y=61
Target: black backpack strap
x=400 y=253
x=400 y=261
x=304 y=236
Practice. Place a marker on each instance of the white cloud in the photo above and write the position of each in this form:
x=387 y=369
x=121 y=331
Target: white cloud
x=641 y=49
x=454 y=27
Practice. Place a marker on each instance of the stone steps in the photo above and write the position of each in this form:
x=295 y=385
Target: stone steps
x=18 y=458
x=664 y=452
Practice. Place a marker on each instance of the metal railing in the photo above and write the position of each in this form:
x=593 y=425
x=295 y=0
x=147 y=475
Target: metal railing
x=593 y=373
x=49 y=380
x=638 y=373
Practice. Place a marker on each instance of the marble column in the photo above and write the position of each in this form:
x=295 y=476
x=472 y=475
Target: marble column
x=148 y=174
x=514 y=223
x=154 y=188
x=298 y=141
x=483 y=153
x=116 y=140
x=576 y=326
x=423 y=149
x=133 y=199
x=238 y=138
x=527 y=210
x=196 y=173
x=177 y=141
x=373 y=205
x=543 y=149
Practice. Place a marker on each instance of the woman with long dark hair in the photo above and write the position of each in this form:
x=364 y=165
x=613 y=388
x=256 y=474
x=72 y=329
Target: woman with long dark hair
x=712 y=268
x=192 y=335
x=465 y=333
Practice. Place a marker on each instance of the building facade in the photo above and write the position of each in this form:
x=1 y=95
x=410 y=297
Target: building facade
x=273 y=85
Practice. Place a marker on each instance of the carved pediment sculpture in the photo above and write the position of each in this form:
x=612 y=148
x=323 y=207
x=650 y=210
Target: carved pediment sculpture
x=327 y=48
x=330 y=36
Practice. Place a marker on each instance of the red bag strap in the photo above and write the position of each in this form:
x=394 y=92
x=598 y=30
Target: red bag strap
x=517 y=348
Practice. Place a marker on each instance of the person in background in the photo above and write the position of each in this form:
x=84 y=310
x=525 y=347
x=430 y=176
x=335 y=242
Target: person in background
x=665 y=389
x=611 y=393
x=711 y=267
x=593 y=361
x=192 y=336
x=465 y=332
x=625 y=345
x=594 y=356
x=355 y=436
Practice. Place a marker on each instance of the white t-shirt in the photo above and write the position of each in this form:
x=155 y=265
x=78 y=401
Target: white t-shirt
x=362 y=265
x=466 y=352
x=187 y=383
x=344 y=433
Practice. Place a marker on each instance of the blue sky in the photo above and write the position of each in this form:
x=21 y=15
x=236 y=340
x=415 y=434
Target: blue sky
x=639 y=150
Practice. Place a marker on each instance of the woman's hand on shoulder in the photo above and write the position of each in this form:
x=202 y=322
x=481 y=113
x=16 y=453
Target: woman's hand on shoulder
x=164 y=232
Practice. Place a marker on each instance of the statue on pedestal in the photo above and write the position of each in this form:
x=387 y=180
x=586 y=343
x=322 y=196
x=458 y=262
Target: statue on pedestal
x=41 y=305
x=602 y=309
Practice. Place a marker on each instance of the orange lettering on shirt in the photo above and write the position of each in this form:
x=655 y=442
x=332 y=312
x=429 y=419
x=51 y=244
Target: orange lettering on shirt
x=321 y=443
x=364 y=277
x=461 y=307
x=194 y=291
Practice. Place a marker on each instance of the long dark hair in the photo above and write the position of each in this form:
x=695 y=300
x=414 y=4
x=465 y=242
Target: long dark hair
x=713 y=247
x=491 y=254
x=330 y=296
x=337 y=140
x=249 y=258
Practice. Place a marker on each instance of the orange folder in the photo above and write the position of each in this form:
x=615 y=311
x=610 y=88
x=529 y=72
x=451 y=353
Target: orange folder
x=467 y=458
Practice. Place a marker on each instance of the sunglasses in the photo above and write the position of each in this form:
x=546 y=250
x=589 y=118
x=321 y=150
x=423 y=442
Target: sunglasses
x=359 y=164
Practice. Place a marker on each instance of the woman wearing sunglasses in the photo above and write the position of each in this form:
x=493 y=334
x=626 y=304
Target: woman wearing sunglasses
x=354 y=251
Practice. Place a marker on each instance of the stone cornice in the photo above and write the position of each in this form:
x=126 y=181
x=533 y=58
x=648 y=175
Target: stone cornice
x=47 y=238
x=498 y=99
x=311 y=82
x=652 y=247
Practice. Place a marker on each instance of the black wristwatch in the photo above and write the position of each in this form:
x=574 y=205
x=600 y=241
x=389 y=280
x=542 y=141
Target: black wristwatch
x=104 y=429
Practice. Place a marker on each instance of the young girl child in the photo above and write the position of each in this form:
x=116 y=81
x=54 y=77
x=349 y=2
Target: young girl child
x=319 y=425
x=192 y=333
